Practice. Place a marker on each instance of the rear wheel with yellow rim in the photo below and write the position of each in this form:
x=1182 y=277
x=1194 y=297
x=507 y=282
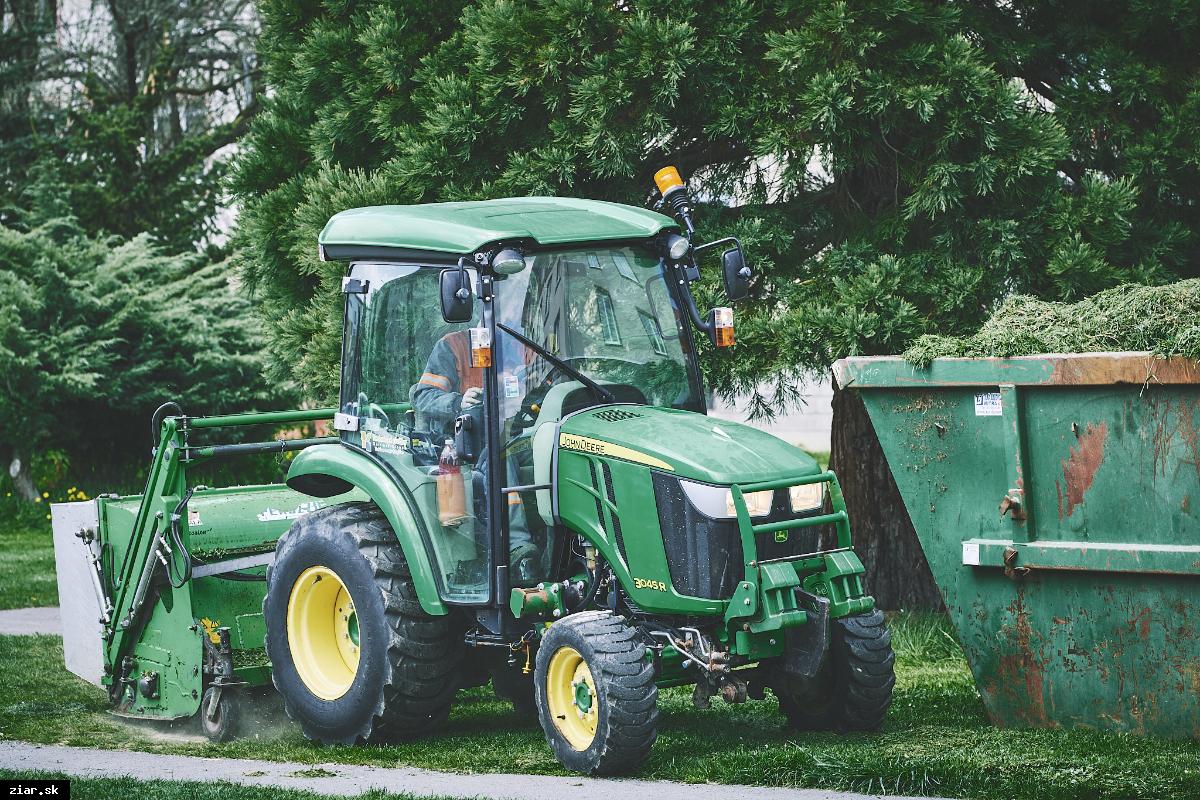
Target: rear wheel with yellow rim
x=352 y=653
x=596 y=696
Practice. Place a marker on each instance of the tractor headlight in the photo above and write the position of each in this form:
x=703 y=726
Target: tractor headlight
x=717 y=501
x=807 y=498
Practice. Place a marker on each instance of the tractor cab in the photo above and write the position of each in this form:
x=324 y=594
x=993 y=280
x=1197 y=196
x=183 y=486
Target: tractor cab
x=462 y=356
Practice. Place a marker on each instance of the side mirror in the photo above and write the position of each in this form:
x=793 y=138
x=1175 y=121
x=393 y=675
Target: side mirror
x=458 y=304
x=737 y=274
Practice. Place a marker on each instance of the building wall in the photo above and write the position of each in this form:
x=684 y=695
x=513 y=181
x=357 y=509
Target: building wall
x=808 y=426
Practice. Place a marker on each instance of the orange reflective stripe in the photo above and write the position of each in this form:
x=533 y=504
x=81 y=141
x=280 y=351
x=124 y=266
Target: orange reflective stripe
x=436 y=381
x=514 y=499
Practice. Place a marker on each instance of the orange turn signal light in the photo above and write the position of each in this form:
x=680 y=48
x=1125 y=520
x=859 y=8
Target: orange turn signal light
x=481 y=348
x=723 y=327
x=667 y=180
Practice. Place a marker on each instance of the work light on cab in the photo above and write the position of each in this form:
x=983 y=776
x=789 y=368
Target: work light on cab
x=508 y=262
x=677 y=247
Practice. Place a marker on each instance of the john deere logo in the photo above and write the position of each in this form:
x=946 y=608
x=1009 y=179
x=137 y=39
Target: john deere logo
x=781 y=536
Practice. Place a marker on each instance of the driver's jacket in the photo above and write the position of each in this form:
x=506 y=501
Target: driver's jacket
x=447 y=377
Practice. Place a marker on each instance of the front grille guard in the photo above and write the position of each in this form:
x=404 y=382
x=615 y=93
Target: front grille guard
x=749 y=532
x=771 y=597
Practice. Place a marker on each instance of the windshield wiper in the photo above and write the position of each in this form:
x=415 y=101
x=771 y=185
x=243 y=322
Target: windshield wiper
x=597 y=389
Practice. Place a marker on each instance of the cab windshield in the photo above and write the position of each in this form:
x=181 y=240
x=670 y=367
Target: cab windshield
x=605 y=311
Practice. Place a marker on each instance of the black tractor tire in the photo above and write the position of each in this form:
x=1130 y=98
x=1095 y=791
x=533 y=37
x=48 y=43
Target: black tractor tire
x=853 y=689
x=626 y=697
x=515 y=686
x=407 y=670
x=219 y=718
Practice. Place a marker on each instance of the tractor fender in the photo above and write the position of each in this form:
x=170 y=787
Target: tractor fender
x=326 y=470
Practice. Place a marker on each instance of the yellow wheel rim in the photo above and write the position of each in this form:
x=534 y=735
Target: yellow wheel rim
x=322 y=632
x=571 y=697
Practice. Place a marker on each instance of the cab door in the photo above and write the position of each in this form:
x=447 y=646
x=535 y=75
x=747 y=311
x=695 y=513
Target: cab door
x=406 y=378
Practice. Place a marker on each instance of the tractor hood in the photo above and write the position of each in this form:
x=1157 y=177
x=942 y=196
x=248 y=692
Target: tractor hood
x=685 y=443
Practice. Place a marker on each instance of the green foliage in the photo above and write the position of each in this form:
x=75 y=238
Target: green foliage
x=1123 y=79
x=890 y=173
x=96 y=333
x=1162 y=319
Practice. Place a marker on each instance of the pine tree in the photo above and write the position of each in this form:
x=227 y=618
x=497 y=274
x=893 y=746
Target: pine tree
x=886 y=176
x=96 y=333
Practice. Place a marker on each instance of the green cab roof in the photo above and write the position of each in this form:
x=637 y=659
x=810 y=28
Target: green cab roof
x=463 y=228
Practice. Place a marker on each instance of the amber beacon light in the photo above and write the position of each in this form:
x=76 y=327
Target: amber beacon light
x=675 y=196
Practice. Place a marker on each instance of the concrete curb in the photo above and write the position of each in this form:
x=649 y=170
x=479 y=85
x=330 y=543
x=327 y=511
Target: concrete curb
x=350 y=781
x=30 y=621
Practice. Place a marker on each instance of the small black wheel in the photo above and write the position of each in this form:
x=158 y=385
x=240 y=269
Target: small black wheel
x=596 y=696
x=353 y=655
x=219 y=715
x=853 y=689
x=515 y=686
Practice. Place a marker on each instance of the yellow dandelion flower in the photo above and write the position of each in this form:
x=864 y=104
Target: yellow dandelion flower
x=37 y=499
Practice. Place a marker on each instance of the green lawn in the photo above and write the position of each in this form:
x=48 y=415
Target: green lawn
x=936 y=740
x=26 y=565
x=109 y=788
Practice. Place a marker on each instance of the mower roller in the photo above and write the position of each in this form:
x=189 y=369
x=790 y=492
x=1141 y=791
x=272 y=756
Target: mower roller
x=522 y=487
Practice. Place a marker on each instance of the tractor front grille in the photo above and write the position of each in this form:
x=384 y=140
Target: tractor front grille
x=704 y=555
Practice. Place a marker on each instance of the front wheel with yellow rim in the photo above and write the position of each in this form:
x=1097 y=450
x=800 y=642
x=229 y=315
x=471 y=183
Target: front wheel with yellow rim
x=596 y=696
x=352 y=654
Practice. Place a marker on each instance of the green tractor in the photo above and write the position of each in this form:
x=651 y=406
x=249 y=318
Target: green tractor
x=521 y=486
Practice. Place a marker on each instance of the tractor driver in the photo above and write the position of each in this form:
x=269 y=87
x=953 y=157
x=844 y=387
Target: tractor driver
x=449 y=388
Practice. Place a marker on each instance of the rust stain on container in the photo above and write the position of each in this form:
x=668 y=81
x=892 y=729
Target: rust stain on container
x=1099 y=369
x=1079 y=470
x=1020 y=676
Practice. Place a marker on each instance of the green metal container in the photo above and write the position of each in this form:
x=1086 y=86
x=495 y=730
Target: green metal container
x=1057 y=499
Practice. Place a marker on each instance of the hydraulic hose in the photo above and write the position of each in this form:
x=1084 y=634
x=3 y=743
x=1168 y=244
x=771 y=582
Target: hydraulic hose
x=156 y=421
x=177 y=538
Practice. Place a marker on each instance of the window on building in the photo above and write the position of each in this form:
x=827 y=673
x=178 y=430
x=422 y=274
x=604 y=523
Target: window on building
x=608 y=317
x=623 y=265
x=653 y=333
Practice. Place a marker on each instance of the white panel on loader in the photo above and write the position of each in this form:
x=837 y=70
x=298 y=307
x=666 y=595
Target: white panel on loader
x=79 y=607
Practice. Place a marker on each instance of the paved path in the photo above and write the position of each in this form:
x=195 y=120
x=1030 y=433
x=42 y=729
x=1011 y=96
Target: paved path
x=354 y=780
x=28 y=621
